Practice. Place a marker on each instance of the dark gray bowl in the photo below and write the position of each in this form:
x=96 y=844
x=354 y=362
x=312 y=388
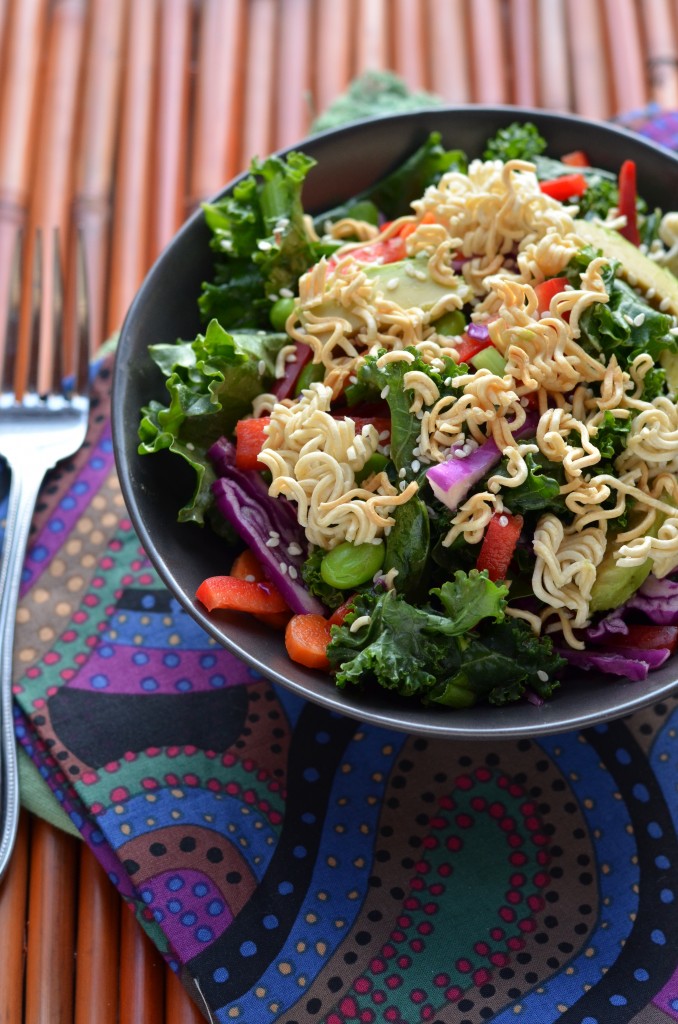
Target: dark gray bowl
x=155 y=487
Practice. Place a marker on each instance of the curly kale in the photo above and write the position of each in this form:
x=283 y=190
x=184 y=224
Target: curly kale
x=516 y=142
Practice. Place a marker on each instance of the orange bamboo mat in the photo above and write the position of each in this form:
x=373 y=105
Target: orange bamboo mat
x=131 y=112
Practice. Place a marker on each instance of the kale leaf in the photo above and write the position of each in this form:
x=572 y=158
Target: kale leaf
x=518 y=141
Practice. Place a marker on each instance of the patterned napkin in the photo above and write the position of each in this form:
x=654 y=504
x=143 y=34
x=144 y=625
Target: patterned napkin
x=295 y=866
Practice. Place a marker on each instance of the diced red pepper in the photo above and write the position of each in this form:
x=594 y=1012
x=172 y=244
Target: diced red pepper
x=229 y=592
x=381 y=423
x=339 y=614
x=249 y=440
x=499 y=544
x=248 y=567
x=647 y=638
x=285 y=385
x=389 y=251
x=547 y=289
x=565 y=187
x=577 y=158
x=627 y=201
x=467 y=347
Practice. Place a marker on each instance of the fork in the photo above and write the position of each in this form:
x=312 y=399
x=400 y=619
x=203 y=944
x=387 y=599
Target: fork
x=39 y=426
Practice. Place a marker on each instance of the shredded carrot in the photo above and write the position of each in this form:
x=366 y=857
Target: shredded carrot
x=306 y=640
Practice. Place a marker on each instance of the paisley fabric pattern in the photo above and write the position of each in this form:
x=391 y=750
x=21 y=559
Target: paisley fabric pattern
x=297 y=867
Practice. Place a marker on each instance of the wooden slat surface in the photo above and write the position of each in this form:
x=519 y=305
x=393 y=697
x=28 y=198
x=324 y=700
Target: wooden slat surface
x=142 y=109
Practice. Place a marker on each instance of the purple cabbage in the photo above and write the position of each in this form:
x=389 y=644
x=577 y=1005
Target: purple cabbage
x=607 y=628
x=243 y=500
x=479 y=332
x=630 y=664
x=658 y=599
x=453 y=479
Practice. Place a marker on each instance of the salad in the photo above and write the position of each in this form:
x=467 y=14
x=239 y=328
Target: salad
x=441 y=421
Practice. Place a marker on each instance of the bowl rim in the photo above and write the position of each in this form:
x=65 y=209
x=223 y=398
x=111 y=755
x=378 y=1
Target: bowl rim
x=545 y=718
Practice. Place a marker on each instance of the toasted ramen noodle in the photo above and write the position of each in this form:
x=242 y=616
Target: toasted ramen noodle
x=486 y=239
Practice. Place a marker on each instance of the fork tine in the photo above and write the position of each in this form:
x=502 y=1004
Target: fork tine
x=34 y=316
x=82 y=342
x=58 y=368
x=9 y=338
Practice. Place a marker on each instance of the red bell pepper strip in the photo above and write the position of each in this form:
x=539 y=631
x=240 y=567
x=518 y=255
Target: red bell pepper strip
x=577 y=158
x=499 y=544
x=545 y=291
x=647 y=638
x=565 y=187
x=467 y=347
x=249 y=440
x=627 y=201
x=285 y=385
x=229 y=592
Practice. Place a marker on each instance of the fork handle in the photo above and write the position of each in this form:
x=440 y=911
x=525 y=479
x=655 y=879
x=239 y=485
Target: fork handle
x=23 y=493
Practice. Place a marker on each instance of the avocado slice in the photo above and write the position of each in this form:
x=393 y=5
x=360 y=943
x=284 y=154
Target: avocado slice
x=406 y=282
x=647 y=275
x=614 y=584
x=409 y=283
x=633 y=263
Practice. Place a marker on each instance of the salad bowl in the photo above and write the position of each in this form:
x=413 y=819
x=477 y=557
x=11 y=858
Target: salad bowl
x=348 y=160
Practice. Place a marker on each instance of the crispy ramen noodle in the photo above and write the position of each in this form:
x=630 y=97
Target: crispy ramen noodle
x=485 y=238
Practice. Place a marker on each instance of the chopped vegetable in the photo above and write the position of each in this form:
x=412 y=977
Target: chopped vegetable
x=499 y=544
x=565 y=187
x=546 y=290
x=250 y=437
x=238 y=595
x=349 y=565
x=517 y=141
x=577 y=158
x=306 y=640
x=628 y=198
x=247 y=567
x=286 y=385
x=453 y=479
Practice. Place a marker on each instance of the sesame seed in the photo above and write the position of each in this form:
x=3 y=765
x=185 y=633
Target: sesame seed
x=283 y=567
x=251 y=579
x=650 y=293
x=272 y=542
x=286 y=293
x=402 y=473
x=543 y=676
x=294 y=548
x=402 y=485
x=503 y=521
x=628 y=319
x=639 y=320
x=416 y=465
x=632 y=280
x=261 y=367
x=385 y=391
x=664 y=304
x=264 y=246
x=393 y=283
x=385 y=434
x=421 y=275
x=273 y=297
x=190 y=446
x=292 y=573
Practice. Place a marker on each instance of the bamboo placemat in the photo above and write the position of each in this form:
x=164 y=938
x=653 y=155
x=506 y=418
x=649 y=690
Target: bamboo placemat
x=130 y=113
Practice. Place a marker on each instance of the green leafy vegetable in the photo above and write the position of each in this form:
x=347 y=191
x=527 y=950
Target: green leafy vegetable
x=374 y=380
x=261 y=241
x=516 y=142
x=211 y=383
x=625 y=325
x=611 y=438
x=430 y=655
x=407 y=546
x=540 y=491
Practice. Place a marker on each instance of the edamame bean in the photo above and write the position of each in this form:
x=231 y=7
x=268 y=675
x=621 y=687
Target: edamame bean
x=348 y=565
x=280 y=310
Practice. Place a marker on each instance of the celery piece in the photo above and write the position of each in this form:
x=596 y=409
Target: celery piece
x=489 y=359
